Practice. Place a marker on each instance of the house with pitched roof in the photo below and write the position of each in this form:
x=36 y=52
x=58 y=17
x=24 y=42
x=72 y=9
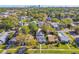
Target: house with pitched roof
x=40 y=36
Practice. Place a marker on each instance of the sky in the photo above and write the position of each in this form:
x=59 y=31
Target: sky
x=9 y=6
x=41 y=2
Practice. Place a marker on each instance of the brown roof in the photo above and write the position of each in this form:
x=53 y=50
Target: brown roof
x=24 y=37
x=52 y=38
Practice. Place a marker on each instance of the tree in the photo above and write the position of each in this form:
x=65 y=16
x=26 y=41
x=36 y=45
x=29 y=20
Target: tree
x=32 y=42
x=77 y=29
x=2 y=9
x=25 y=29
x=20 y=38
x=9 y=22
x=67 y=21
x=27 y=39
x=33 y=26
x=24 y=20
x=48 y=28
x=77 y=18
x=55 y=20
x=62 y=15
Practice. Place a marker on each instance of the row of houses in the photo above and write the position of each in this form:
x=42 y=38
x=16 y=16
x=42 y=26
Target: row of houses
x=7 y=13
x=51 y=37
x=40 y=36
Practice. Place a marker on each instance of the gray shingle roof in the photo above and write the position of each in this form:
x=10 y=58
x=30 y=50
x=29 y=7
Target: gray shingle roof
x=63 y=38
x=40 y=37
x=3 y=38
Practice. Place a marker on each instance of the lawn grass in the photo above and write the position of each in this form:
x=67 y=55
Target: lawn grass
x=2 y=46
x=72 y=47
x=1 y=50
x=43 y=46
x=61 y=49
x=53 y=51
x=51 y=46
x=65 y=51
x=12 y=51
x=62 y=46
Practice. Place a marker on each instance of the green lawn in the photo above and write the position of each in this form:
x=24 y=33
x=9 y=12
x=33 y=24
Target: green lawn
x=12 y=51
x=66 y=51
x=1 y=50
x=59 y=51
x=2 y=46
x=51 y=46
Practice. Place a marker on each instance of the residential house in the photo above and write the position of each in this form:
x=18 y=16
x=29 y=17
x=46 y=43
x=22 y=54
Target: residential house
x=22 y=17
x=76 y=23
x=48 y=18
x=52 y=38
x=55 y=25
x=21 y=23
x=40 y=23
x=40 y=37
x=12 y=41
x=3 y=37
x=63 y=38
x=4 y=14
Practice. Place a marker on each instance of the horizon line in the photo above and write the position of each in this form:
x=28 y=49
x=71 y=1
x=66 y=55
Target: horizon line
x=38 y=6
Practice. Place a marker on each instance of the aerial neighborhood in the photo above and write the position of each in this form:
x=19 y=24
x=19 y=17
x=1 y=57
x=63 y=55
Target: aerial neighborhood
x=39 y=30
